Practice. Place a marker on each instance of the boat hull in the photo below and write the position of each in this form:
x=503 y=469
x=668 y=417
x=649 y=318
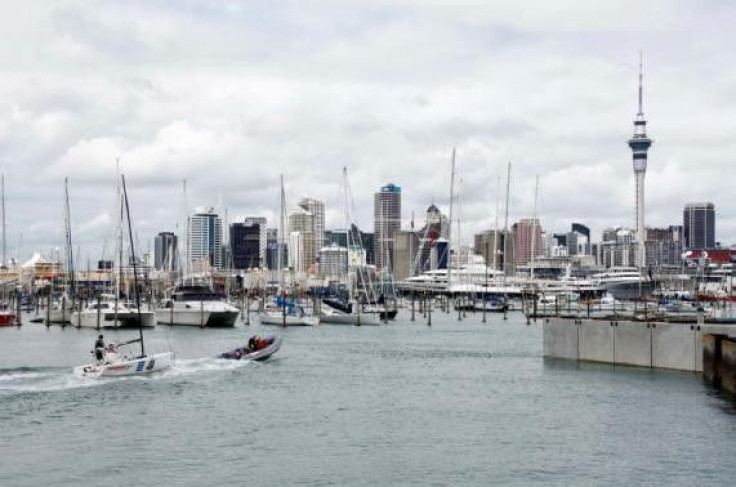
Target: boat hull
x=367 y=319
x=7 y=319
x=107 y=319
x=132 y=367
x=212 y=319
x=276 y=319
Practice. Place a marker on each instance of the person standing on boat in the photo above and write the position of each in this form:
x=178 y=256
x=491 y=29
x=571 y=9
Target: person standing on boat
x=100 y=348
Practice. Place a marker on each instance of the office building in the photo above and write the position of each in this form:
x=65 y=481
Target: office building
x=386 y=220
x=165 y=252
x=204 y=239
x=699 y=226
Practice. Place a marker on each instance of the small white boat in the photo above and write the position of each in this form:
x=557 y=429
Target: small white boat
x=114 y=364
x=336 y=317
x=278 y=318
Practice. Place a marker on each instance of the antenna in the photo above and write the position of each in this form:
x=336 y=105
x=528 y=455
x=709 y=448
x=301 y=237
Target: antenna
x=641 y=76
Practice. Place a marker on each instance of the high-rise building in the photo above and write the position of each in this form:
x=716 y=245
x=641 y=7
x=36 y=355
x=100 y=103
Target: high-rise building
x=262 y=238
x=245 y=244
x=317 y=209
x=272 y=250
x=386 y=220
x=664 y=247
x=527 y=240
x=301 y=239
x=406 y=245
x=699 y=225
x=204 y=238
x=165 y=252
x=639 y=145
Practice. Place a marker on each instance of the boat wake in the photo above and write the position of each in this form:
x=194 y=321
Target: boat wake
x=42 y=379
x=48 y=379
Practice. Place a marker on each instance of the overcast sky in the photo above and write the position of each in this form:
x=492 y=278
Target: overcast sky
x=230 y=94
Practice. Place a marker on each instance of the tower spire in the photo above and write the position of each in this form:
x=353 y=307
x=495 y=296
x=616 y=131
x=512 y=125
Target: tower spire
x=641 y=76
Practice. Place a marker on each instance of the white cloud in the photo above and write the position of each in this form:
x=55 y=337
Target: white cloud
x=230 y=95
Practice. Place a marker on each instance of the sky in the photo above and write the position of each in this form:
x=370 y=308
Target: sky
x=228 y=95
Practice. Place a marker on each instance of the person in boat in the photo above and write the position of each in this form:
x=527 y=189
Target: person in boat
x=252 y=344
x=100 y=348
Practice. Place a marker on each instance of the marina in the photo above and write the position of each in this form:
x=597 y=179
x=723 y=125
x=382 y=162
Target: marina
x=457 y=413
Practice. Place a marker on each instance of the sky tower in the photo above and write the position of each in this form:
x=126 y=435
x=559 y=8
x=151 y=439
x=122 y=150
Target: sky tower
x=640 y=144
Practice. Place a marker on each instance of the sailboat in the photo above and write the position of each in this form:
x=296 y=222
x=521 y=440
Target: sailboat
x=289 y=312
x=113 y=363
x=61 y=310
x=343 y=307
x=7 y=317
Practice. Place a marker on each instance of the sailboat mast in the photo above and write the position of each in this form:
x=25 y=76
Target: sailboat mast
x=2 y=190
x=495 y=228
x=69 y=248
x=135 y=269
x=534 y=226
x=506 y=227
x=449 y=225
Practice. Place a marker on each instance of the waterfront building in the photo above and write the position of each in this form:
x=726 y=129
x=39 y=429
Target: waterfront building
x=165 y=252
x=333 y=261
x=386 y=221
x=204 y=238
x=527 y=234
x=699 y=225
x=619 y=248
x=639 y=145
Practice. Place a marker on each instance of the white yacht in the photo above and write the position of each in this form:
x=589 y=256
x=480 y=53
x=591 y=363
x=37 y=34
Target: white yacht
x=196 y=304
x=106 y=313
x=624 y=282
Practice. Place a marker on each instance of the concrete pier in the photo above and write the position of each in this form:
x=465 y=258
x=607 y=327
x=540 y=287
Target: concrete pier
x=642 y=344
x=719 y=356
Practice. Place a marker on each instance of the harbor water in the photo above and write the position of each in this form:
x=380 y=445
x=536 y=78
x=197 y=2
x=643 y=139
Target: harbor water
x=457 y=403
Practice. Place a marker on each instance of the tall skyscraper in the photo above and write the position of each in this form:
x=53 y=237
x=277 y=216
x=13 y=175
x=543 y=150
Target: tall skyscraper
x=699 y=225
x=317 y=210
x=204 y=238
x=640 y=144
x=165 y=252
x=527 y=234
x=386 y=220
x=245 y=244
x=262 y=238
x=301 y=239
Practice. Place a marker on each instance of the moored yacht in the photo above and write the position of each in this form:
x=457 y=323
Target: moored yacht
x=624 y=282
x=196 y=304
x=107 y=313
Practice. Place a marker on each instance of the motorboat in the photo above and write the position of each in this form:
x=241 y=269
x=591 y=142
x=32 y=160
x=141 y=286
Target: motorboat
x=106 y=312
x=258 y=349
x=196 y=305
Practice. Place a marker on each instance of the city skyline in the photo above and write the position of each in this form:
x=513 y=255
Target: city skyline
x=552 y=94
